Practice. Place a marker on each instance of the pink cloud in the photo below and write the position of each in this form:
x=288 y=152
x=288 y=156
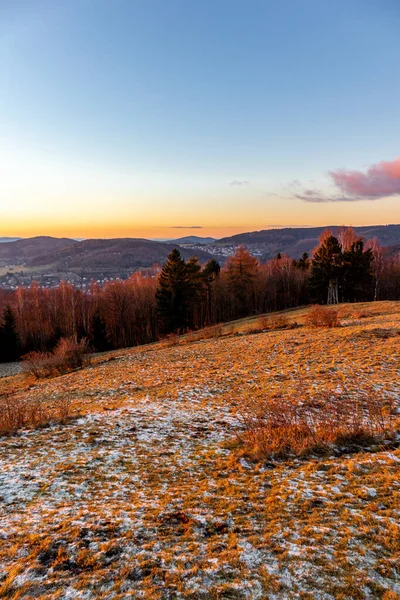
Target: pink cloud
x=378 y=181
x=382 y=179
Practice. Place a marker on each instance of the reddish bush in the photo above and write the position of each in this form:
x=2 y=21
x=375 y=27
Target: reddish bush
x=322 y=316
x=279 y=322
x=209 y=332
x=172 y=339
x=67 y=356
x=70 y=353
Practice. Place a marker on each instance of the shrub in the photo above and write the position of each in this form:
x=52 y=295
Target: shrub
x=229 y=329
x=67 y=356
x=263 y=324
x=39 y=364
x=322 y=316
x=279 y=322
x=279 y=427
x=210 y=332
x=214 y=331
x=172 y=339
x=70 y=353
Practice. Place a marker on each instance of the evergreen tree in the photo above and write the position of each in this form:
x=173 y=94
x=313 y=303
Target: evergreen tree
x=303 y=262
x=9 y=340
x=196 y=294
x=358 y=277
x=195 y=277
x=210 y=273
x=326 y=270
x=173 y=294
x=98 y=333
x=211 y=270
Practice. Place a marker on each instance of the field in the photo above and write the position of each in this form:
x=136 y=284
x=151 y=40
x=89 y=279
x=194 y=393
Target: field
x=148 y=492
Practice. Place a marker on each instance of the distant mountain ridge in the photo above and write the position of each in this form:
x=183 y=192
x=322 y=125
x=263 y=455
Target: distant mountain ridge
x=294 y=241
x=194 y=239
x=25 y=248
x=112 y=253
x=65 y=253
x=119 y=257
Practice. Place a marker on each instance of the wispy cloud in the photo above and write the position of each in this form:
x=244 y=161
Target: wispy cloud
x=378 y=181
x=186 y=227
x=318 y=197
x=294 y=183
x=239 y=182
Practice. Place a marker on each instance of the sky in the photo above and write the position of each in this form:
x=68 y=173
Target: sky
x=147 y=118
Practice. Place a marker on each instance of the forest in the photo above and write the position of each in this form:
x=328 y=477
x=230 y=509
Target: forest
x=183 y=296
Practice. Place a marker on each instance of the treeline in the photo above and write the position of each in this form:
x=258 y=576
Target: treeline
x=185 y=295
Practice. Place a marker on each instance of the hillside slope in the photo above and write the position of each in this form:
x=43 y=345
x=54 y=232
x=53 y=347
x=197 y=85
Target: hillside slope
x=113 y=253
x=95 y=254
x=50 y=260
x=147 y=495
x=24 y=250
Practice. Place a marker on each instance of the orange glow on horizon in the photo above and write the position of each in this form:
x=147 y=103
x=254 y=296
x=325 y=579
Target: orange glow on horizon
x=87 y=231
x=121 y=231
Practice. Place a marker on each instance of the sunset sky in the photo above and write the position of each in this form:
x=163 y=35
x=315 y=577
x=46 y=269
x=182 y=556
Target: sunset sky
x=160 y=119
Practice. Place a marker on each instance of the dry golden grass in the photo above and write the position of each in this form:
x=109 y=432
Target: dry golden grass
x=283 y=427
x=147 y=494
x=21 y=412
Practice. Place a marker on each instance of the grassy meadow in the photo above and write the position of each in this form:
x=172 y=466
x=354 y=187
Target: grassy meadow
x=137 y=478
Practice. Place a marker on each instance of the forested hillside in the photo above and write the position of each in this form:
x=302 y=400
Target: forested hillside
x=187 y=295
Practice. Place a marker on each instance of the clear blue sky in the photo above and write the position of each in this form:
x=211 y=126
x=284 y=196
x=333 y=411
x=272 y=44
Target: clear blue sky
x=127 y=114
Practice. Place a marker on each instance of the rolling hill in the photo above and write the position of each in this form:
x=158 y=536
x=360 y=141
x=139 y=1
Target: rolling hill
x=25 y=250
x=91 y=253
x=194 y=239
x=146 y=490
x=49 y=260
x=111 y=254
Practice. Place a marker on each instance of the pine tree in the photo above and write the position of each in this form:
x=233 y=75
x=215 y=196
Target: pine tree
x=196 y=294
x=174 y=294
x=210 y=273
x=98 y=333
x=358 y=277
x=9 y=340
x=326 y=271
x=195 y=277
x=303 y=262
x=211 y=270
